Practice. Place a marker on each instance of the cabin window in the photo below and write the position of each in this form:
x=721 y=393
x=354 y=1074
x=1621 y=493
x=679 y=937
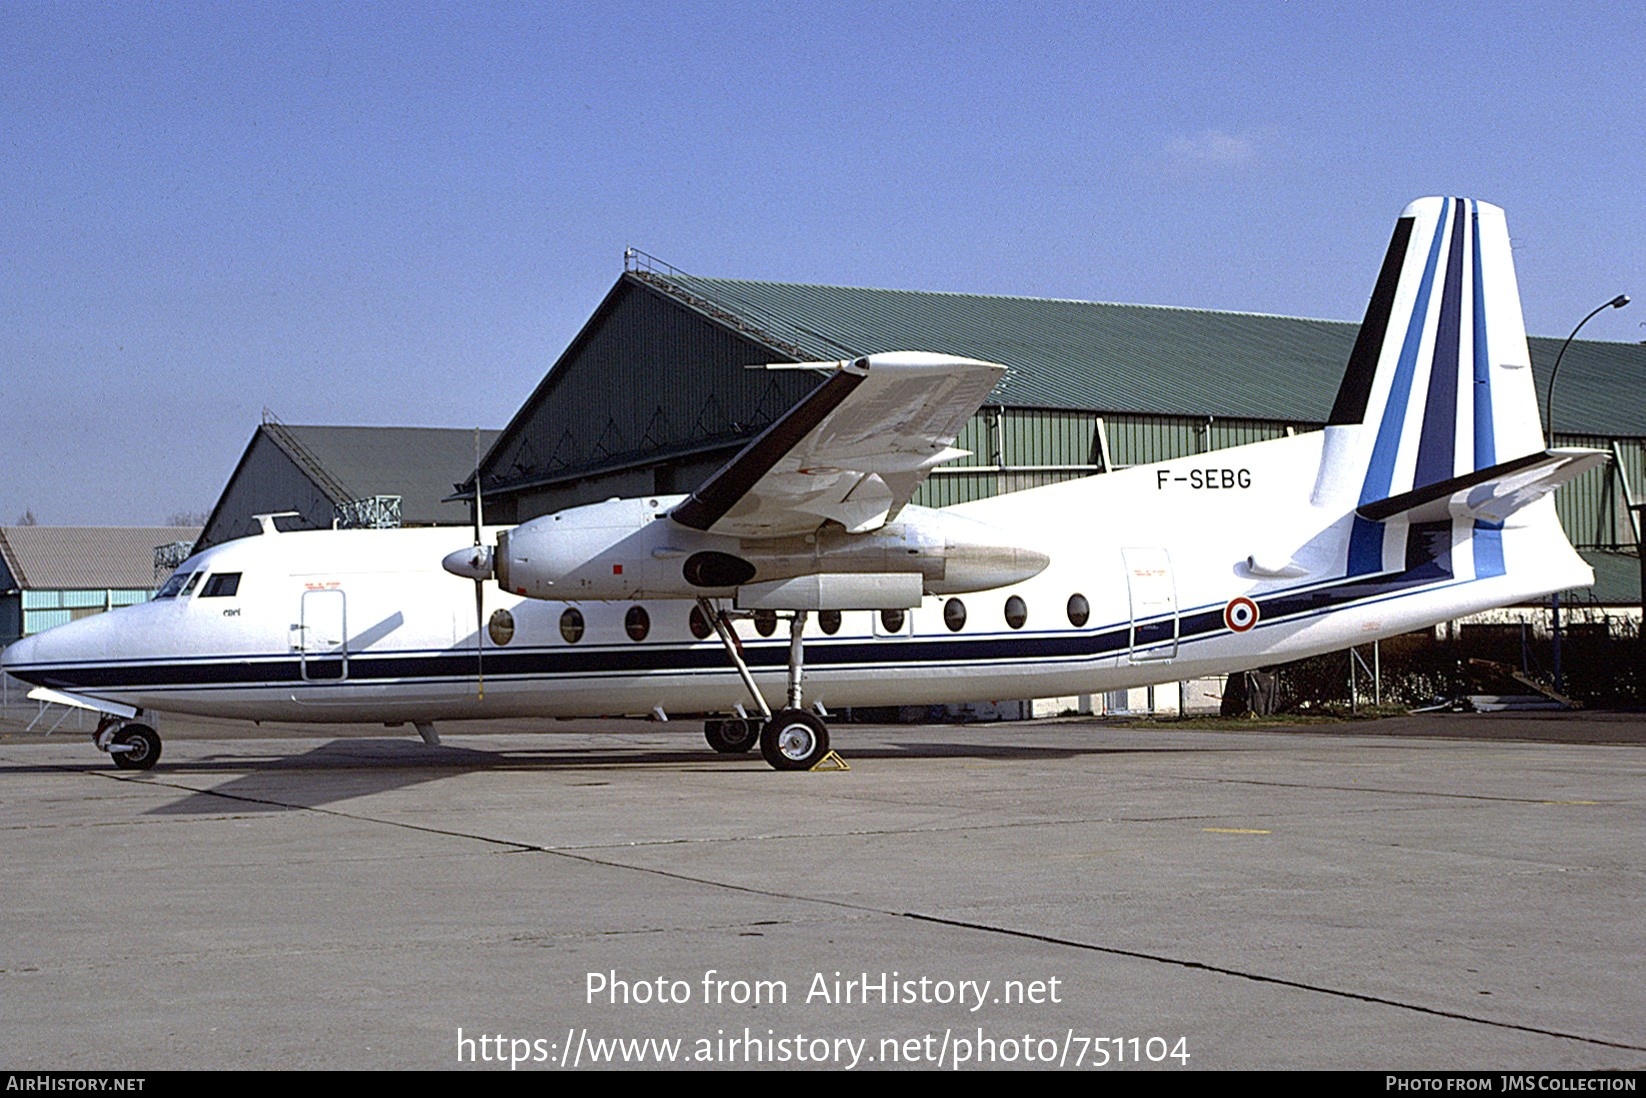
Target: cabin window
x=1017 y=612
x=829 y=621
x=171 y=588
x=1079 y=610
x=501 y=627
x=701 y=626
x=637 y=623
x=221 y=586
x=892 y=620
x=571 y=625
x=954 y=615
x=765 y=622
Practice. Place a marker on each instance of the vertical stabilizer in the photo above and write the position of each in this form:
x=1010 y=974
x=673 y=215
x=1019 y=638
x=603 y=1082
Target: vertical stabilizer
x=1439 y=385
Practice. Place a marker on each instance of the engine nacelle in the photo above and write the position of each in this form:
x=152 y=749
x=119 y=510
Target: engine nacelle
x=628 y=549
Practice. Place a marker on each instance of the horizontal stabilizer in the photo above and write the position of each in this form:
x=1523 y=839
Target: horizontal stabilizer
x=1491 y=494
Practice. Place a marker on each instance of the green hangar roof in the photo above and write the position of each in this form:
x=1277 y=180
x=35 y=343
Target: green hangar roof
x=1065 y=354
x=1129 y=358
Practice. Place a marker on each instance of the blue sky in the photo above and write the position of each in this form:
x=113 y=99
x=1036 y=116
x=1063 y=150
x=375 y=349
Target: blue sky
x=401 y=213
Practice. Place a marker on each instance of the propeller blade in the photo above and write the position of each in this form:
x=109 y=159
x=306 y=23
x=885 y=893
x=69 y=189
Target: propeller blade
x=479 y=638
x=481 y=555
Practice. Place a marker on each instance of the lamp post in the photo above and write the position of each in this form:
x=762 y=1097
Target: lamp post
x=1549 y=399
x=1640 y=634
x=1549 y=440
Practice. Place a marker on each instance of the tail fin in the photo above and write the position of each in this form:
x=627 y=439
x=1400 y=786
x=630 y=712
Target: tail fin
x=1438 y=397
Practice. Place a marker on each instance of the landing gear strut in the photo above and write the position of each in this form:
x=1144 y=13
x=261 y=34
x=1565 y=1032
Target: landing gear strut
x=791 y=738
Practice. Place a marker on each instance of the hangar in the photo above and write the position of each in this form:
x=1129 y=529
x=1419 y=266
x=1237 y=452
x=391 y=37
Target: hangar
x=653 y=394
x=345 y=476
x=50 y=575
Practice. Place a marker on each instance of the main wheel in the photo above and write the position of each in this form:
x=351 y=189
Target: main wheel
x=794 y=740
x=144 y=745
x=732 y=736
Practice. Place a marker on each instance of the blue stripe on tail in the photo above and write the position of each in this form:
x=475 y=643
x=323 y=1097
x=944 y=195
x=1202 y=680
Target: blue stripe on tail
x=1366 y=537
x=1437 y=445
x=1488 y=536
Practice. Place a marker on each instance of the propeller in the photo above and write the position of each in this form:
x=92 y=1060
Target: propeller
x=475 y=563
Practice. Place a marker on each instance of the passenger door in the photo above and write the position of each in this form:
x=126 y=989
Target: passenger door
x=321 y=635
x=1153 y=591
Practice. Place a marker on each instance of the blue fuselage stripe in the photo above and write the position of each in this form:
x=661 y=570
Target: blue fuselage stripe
x=1205 y=623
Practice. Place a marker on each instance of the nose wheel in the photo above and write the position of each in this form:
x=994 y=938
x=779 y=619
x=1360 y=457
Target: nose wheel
x=133 y=747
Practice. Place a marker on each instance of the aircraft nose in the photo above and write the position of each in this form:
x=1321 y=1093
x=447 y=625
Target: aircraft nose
x=474 y=563
x=17 y=655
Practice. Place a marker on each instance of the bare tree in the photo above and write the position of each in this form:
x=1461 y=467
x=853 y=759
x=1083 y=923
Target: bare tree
x=27 y=518
x=188 y=518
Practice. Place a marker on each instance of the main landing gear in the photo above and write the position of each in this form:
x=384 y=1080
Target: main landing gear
x=791 y=738
x=132 y=746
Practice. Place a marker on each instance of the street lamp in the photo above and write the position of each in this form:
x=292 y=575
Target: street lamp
x=1549 y=400
x=1549 y=440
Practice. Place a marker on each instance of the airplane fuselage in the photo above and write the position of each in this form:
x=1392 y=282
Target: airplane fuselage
x=1152 y=578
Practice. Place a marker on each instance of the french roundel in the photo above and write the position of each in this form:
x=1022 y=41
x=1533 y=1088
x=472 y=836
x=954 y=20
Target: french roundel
x=1240 y=615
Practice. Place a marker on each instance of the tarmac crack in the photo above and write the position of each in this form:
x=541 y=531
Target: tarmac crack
x=1278 y=981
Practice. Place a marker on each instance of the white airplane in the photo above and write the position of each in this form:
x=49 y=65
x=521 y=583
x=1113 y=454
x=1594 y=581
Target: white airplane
x=1421 y=501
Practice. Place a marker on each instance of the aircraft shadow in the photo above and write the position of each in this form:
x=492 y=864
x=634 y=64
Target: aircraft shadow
x=340 y=770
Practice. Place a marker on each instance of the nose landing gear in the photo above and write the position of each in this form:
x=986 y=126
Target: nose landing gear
x=132 y=746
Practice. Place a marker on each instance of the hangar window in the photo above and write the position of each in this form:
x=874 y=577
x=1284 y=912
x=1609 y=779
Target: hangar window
x=1079 y=610
x=173 y=586
x=1017 y=612
x=765 y=622
x=829 y=621
x=954 y=615
x=892 y=620
x=221 y=586
x=571 y=625
x=701 y=626
x=637 y=623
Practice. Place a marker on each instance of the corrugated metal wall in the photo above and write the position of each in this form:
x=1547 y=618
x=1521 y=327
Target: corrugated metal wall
x=1017 y=448
x=1595 y=507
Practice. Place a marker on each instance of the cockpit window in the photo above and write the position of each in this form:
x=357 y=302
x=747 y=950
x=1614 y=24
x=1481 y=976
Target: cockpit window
x=194 y=581
x=171 y=588
x=221 y=586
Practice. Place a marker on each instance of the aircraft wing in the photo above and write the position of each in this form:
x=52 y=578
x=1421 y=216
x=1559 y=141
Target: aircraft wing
x=854 y=451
